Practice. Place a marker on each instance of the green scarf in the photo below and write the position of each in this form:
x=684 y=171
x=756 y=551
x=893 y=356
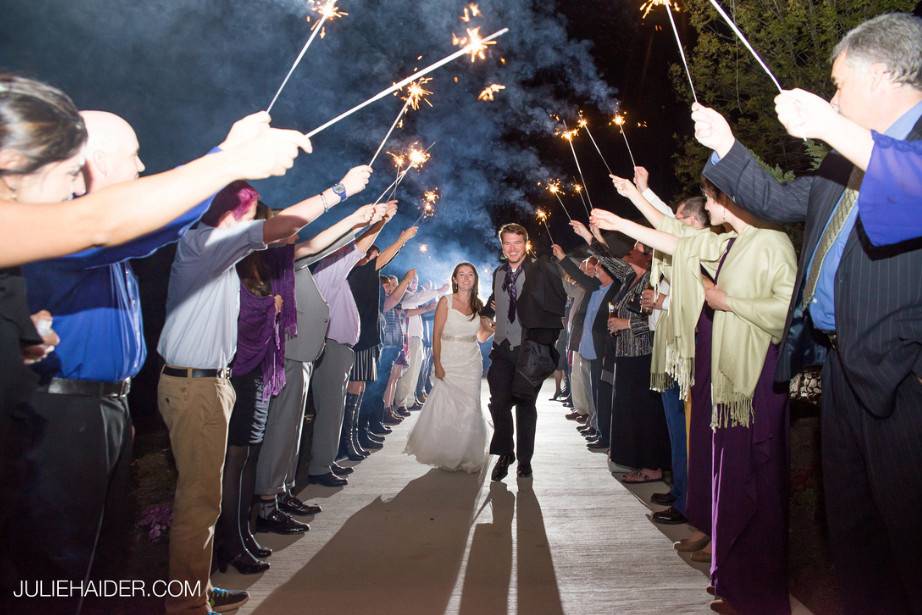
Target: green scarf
x=673 y=357
x=758 y=278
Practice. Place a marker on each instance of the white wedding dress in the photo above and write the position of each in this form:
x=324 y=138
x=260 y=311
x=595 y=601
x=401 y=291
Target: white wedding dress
x=451 y=432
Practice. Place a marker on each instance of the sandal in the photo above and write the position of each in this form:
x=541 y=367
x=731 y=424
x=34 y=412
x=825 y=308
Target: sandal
x=638 y=477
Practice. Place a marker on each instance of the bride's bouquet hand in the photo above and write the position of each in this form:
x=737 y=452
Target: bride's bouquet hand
x=439 y=372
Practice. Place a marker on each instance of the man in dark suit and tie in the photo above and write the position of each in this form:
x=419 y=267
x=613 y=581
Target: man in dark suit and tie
x=857 y=310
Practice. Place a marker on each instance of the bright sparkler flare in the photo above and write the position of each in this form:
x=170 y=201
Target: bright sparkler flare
x=470 y=11
x=488 y=93
x=417 y=157
x=473 y=40
x=649 y=5
x=582 y=122
x=541 y=215
x=568 y=134
x=328 y=11
x=553 y=186
x=577 y=188
x=423 y=248
x=618 y=120
x=417 y=93
x=398 y=159
x=430 y=197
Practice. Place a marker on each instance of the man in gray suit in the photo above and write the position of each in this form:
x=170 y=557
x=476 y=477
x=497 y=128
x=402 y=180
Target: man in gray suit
x=278 y=457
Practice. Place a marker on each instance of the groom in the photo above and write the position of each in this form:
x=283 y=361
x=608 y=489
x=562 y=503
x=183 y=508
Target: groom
x=527 y=305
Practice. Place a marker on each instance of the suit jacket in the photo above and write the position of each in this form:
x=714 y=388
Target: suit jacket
x=878 y=292
x=542 y=304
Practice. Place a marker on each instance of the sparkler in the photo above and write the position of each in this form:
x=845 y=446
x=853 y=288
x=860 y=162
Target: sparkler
x=472 y=45
x=553 y=186
x=618 y=121
x=430 y=198
x=327 y=11
x=567 y=136
x=646 y=8
x=584 y=124
x=542 y=218
x=745 y=42
x=488 y=92
x=470 y=11
x=423 y=248
x=578 y=189
x=414 y=158
x=416 y=93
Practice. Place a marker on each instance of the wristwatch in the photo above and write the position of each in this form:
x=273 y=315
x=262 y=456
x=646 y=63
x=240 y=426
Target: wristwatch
x=340 y=191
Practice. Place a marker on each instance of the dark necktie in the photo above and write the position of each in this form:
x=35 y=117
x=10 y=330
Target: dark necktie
x=509 y=286
x=836 y=223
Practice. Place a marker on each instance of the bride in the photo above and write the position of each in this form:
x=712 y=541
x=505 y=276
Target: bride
x=451 y=432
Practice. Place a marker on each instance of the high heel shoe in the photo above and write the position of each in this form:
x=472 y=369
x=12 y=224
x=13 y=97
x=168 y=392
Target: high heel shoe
x=245 y=563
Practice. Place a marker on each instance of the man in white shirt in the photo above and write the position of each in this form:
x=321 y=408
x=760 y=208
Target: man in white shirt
x=406 y=386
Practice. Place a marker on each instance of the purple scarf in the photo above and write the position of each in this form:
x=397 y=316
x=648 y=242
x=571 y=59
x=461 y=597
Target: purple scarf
x=261 y=332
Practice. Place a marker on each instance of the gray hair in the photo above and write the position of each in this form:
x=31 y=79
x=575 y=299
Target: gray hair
x=893 y=39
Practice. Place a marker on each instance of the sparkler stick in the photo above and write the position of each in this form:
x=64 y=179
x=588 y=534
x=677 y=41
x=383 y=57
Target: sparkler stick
x=745 y=42
x=554 y=188
x=584 y=124
x=415 y=158
x=471 y=46
x=328 y=11
x=568 y=137
x=388 y=135
x=678 y=42
x=619 y=122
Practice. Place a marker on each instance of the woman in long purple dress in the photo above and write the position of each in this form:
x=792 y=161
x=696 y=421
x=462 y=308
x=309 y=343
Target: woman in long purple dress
x=749 y=416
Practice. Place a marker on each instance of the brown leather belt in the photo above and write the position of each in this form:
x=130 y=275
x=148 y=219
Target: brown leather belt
x=188 y=372
x=88 y=388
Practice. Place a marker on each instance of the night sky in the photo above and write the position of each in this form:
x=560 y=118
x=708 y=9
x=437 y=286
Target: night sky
x=181 y=71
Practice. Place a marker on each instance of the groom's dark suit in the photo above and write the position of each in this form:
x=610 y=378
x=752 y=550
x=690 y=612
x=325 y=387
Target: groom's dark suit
x=872 y=392
x=539 y=309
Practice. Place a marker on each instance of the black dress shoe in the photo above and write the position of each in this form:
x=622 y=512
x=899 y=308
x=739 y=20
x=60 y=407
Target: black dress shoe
x=367 y=443
x=524 y=470
x=341 y=470
x=280 y=523
x=390 y=420
x=567 y=403
x=254 y=547
x=598 y=445
x=663 y=499
x=244 y=562
x=379 y=429
x=583 y=418
x=327 y=480
x=591 y=434
x=584 y=429
x=373 y=437
x=502 y=467
x=572 y=416
x=293 y=506
x=670 y=516
x=404 y=412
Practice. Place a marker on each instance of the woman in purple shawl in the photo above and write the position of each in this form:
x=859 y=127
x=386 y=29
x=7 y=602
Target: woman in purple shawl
x=267 y=314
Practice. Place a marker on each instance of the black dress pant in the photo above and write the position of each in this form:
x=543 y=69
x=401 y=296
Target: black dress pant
x=499 y=377
x=76 y=456
x=872 y=474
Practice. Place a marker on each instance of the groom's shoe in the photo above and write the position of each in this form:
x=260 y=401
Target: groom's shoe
x=524 y=470
x=502 y=467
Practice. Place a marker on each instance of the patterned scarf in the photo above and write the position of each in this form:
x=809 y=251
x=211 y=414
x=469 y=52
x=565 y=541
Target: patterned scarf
x=509 y=286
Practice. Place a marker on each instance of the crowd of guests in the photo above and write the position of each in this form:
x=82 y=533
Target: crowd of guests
x=676 y=354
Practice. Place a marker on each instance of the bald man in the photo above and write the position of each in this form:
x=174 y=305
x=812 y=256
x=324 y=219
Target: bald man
x=81 y=453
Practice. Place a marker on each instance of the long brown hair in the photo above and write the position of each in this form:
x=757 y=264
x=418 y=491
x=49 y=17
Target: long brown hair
x=253 y=271
x=476 y=304
x=38 y=122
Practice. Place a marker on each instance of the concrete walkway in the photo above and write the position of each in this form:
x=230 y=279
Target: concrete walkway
x=405 y=539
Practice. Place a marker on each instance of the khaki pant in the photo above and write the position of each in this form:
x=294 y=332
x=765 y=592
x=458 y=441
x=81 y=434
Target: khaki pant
x=196 y=412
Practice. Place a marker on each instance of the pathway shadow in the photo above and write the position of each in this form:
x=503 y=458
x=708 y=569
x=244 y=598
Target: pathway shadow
x=400 y=556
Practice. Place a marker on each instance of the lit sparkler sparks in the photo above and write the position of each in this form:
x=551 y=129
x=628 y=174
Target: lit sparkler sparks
x=618 y=120
x=583 y=123
x=423 y=248
x=470 y=11
x=327 y=11
x=553 y=186
x=475 y=44
x=542 y=216
x=413 y=158
x=427 y=207
x=416 y=93
x=488 y=93
x=649 y=6
x=578 y=191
